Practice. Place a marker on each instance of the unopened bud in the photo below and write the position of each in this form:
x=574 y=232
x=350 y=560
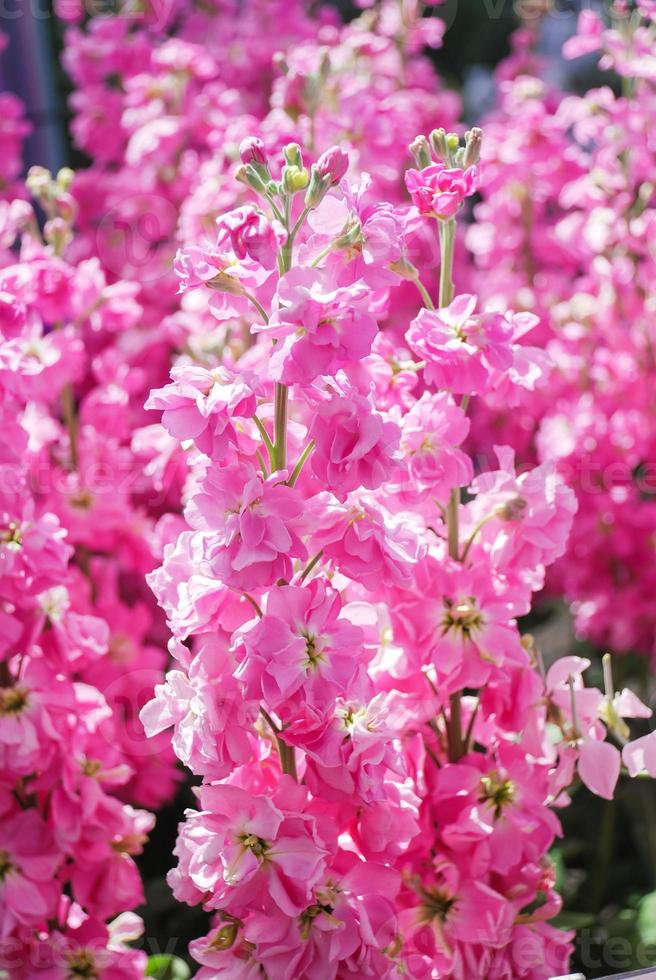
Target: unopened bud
x=224 y=937
x=293 y=156
x=223 y=283
x=65 y=178
x=294 y=179
x=253 y=150
x=249 y=175
x=438 y=142
x=421 y=152
x=333 y=164
x=473 y=143
x=38 y=181
x=57 y=233
x=513 y=509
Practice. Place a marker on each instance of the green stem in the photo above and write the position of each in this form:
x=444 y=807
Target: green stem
x=296 y=472
x=447 y=230
x=310 y=565
x=447 y=243
x=265 y=437
x=288 y=759
x=322 y=254
x=253 y=603
x=301 y=218
x=286 y=752
x=453 y=523
x=454 y=729
x=425 y=295
x=472 y=537
x=279 y=460
x=258 y=306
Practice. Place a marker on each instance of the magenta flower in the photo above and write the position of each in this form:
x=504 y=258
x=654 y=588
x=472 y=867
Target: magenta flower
x=318 y=328
x=438 y=191
x=464 y=352
x=204 y=406
x=28 y=863
x=256 y=524
x=243 y=849
x=300 y=650
x=355 y=446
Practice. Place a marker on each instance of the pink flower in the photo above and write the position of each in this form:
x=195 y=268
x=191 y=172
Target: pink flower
x=430 y=435
x=318 y=328
x=463 y=352
x=364 y=541
x=256 y=524
x=301 y=649
x=438 y=192
x=588 y=37
x=527 y=519
x=333 y=163
x=251 y=235
x=242 y=851
x=348 y=749
x=252 y=150
x=212 y=724
x=354 y=445
x=28 y=863
x=204 y=406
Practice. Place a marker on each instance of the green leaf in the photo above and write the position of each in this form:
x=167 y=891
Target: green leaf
x=647 y=919
x=166 y=967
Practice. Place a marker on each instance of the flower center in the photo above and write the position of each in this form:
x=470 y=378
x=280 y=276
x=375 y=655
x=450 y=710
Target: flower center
x=313 y=655
x=463 y=616
x=81 y=964
x=307 y=917
x=497 y=791
x=436 y=905
x=12 y=701
x=5 y=865
x=11 y=536
x=255 y=844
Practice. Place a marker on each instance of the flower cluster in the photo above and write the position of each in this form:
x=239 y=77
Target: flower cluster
x=360 y=481
x=81 y=644
x=565 y=230
x=381 y=750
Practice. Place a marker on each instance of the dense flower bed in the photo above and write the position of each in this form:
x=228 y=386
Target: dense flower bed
x=305 y=398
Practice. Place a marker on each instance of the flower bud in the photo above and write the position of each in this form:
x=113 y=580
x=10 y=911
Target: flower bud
x=293 y=156
x=438 y=142
x=57 y=233
x=38 y=181
x=473 y=142
x=249 y=175
x=252 y=150
x=224 y=283
x=65 y=178
x=294 y=179
x=421 y=152
x=333 y=164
